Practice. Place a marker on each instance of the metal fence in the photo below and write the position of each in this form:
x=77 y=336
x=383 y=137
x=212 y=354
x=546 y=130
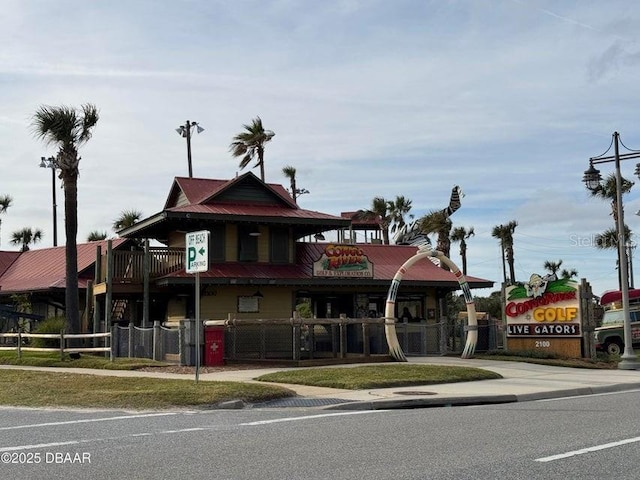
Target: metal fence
x=157 y=342
x=299 y=340
x=333 y=339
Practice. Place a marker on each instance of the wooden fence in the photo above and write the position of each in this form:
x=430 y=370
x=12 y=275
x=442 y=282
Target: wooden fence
x=62 y=338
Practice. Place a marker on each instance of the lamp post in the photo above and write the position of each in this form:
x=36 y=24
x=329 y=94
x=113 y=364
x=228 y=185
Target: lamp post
x=52 y=164
x=185 y=131
x=592 y=178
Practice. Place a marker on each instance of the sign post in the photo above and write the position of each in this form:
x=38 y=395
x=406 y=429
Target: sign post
x=197 y=254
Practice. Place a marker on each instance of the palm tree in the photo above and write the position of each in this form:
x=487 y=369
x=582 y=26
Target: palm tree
x=461 y=234
x=608 y=240
x=607 y=191
x=290 y=173
x=568 y=273
x=26 y=237
x=379 y=212
x=504 y=233
x=127 y=218
x=552 y=267
x=250 y=145
x=398 y=210
x=5 y=203
x=438 y=222
x=96 y=235
x=68 y=129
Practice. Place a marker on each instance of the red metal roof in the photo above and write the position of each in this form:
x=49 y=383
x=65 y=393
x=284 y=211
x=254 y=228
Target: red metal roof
x=363 y=223
x=44 y=269
x=386 y=260
x=204 y=190
x=6 y=259
x=260 y=210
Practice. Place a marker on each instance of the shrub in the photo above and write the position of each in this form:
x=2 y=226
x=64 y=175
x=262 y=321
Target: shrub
x=304 y=309
x=50 y=325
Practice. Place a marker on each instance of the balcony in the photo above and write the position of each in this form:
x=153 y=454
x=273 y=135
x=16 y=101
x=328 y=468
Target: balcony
x=128 y=267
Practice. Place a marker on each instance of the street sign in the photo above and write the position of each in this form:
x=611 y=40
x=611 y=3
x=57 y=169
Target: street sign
x=197 y=251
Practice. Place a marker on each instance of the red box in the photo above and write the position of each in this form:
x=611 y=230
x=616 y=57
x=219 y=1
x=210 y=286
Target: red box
x=213 y=346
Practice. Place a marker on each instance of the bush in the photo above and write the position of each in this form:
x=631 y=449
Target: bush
x=50 y=325
x=304 y=309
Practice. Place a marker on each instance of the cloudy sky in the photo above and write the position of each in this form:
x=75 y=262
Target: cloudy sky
x=506 y=98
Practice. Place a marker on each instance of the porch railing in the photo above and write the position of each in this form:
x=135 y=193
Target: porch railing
x=128 y=266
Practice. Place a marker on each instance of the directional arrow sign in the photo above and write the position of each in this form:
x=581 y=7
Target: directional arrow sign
x=197 y=251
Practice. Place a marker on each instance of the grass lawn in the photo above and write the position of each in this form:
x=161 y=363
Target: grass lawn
x=49 y=359
x=379 y=376
x=44 y=389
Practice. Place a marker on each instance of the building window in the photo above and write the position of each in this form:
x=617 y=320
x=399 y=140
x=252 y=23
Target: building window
x=216 y=244
x=279 y=245
x=247 y=244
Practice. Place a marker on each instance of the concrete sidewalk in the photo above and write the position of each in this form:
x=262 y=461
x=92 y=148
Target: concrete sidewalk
x=521 y=382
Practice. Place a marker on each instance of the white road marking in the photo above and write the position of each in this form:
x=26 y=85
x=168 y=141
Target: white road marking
x=588 y=450
x=161 y=432
x=39 y=445
x=87 y=420
x=307 y=417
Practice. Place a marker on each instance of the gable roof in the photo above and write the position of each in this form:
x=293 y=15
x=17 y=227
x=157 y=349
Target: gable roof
x=193 y=191
x=194 y=202
x=44 y=269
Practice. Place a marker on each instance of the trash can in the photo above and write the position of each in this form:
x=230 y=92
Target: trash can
x=213 y=345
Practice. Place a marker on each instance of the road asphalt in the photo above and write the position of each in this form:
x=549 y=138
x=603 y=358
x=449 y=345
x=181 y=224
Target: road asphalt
x=520 y=382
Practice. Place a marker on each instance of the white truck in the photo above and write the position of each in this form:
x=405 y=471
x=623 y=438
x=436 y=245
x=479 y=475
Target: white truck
x=609 y=337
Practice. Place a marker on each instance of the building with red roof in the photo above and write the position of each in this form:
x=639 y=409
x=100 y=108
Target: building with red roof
x=262 y=262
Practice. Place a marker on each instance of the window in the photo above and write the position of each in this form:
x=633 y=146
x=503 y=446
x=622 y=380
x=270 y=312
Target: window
x=247 y=245
x=279 y=245
x=216 y=244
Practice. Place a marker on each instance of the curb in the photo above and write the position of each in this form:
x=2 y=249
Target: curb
x=480 y=399
x=407 y=403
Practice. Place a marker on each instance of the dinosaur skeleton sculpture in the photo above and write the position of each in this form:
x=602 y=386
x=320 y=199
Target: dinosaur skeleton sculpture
x=413 y=236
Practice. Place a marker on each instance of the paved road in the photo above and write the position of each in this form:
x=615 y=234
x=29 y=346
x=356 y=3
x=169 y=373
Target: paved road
x=596 y=436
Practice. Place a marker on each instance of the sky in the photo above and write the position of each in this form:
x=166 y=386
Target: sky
x=506 y=98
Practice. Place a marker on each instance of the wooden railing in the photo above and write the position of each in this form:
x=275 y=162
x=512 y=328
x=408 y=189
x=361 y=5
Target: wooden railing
x=62 y=339
x=128 y=266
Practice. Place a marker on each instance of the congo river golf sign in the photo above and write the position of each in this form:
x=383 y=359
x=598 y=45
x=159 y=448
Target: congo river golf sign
x=543 y=307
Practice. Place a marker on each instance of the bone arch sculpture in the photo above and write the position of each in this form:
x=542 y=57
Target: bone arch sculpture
x=389 y=321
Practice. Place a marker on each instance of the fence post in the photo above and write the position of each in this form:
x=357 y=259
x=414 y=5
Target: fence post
x=19 y=345
x=131 y=343
x=295 y=324
x=61 y=345
x=343 y=339
x=365 y=340
x=181 y=343
x=156 y=338
x=234 y=336
x=111 y=343
x=114 y=334
x=443 y=337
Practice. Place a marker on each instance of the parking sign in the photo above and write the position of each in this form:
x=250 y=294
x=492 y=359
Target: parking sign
x=197 y=251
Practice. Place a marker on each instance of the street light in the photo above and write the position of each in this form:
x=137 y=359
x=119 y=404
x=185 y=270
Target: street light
x=592 y=178
x=185 y=131
x=52 y=164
